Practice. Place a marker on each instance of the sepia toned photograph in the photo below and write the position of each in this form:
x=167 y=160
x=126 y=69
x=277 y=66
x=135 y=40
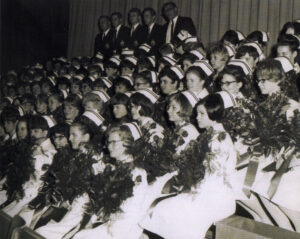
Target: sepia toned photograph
x=150 y=119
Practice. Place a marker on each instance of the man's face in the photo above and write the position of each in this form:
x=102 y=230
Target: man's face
x=170 y=12
x=115 y=20
x=104 y=24
x=148 y=18
x=134 y=18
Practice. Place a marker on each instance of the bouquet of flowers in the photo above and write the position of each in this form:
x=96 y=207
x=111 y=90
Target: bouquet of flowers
x=109 y=189
x=238 y=122
x=271 y=128
x=69 y=176
x=19 y=169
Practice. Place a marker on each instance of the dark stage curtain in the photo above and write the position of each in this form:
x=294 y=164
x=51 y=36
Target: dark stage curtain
x=211 y=17
x=32 y=31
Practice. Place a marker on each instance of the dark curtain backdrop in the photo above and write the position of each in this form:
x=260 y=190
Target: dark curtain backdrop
x=32 y=31
x=211 y=17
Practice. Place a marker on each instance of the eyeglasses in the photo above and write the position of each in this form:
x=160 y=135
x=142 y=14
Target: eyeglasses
x=113 y=142
x=227 y=83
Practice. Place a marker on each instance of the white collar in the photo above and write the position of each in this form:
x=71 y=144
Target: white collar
x=105 y=33
x=218 y=127
x=203 y=93
x=135 y=26
x=151 y=26
x=174 y=20
x=118 y=27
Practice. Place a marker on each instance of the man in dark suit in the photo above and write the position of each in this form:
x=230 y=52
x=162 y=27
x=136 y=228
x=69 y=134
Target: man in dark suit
x=155 y=37
x=104 y=40
x=175 y=23
x=121 y=33
x=138 y=32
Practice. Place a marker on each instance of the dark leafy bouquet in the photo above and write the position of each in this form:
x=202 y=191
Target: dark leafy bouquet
x=191 y=169
x=156 y=158
x=238 y=122
x=19 y=168
x=69 y=176
x=110 y=188
x=271 y=128
x=295 y=131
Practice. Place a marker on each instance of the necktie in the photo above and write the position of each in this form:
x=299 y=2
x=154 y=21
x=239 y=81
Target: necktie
x=172 y=30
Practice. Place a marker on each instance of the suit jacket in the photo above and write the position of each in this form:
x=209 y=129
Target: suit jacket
x=105 y=45
x=122 y=39
x=155 y=38
x=138 y=36
x=183 y=23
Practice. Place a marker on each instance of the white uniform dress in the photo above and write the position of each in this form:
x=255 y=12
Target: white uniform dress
x=31 y=187
x=124 y=224
x=189 y=215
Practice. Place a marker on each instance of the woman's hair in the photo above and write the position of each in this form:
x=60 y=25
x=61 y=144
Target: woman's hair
x=198 y=71
x=286 y=26
x=38 y=122
x=145 y=75
x=192 y=46
x=271 y=70
x=87 y=81
x=214 y=106
x=170 y=74
x=125 y=135
x=63 y=81
x=58 y=96
x=75 y=81
x=188 y=56
x=243 y=50
x=127 y=63
x=119 y=99
x=234 y=71
x=256 y=36
x=10 y=113
x=147 y=107
x=185 y=106
x=74 y=100
x=231 y=36
x=42 y=98
x=122 y=81
x=145 y=63
x=82 y=126
x=218 y=49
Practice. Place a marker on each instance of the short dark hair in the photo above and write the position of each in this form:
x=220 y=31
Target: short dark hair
x=136 y=10
x=169 y=3
x=256 y=36
x=38 y=122
x=288 y=40
x=104 y=17
x=118 y=14
x=119 y=98
x=150 y=9
x=10 y=113
x=231 y=36
x=171 y=74
x=141 y=100
x=214 y=106
x=243 y=50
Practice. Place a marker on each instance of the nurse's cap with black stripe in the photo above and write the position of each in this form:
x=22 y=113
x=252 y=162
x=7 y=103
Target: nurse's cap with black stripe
x=134 y=130
x=149 y=94
x=154 y=76
x=230 y=50
x=191 y=97
x=178 y=71
x=242 y=64
x=183 y=35
x=240 y=35
x=115 y=59
x=99 y=55
x=102 y=95
x=152 y=60
x=191 y=40
x=145 y=47
x=265 y=36
x=127 y=52
x=258 y=48
x=127 y=78
x=50 y=120
x=94 y=116
x=170 y=60
x=205 y=66
x=106 y=81
x=131 y=59
x=228 y=100
x=198 y=54
x=285 y=62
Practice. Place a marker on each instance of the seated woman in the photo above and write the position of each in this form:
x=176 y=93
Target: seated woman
x=124 y=222
x=197 y=78
x=142 y=109
x=120 y=109
x=84 y=164
x=72 y=108
x=179 y=110
x=189 y=214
